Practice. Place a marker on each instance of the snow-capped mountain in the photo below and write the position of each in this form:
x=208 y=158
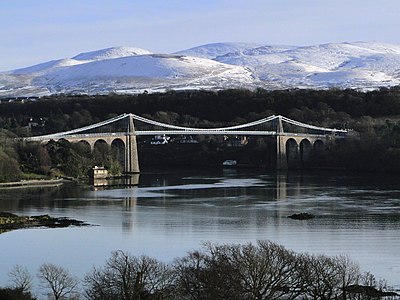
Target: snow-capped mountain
x=213 y=66
x=138 y=73
x=110 y=53
x=212 y=51
x=344 y=65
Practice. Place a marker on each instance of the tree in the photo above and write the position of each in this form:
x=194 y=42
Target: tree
x=262 y=271
x=126 y=277
x=21 y=278
x=348 y=272
x=9 y=168
x=58 y=280
x=191 y=273
x=267 y=271
x=15 y=294
x=325 y=277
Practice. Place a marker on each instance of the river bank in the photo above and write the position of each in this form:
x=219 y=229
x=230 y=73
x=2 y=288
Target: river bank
x=33 y=183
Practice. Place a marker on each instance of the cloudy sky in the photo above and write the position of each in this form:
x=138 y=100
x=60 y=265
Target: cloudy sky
x=34 y=31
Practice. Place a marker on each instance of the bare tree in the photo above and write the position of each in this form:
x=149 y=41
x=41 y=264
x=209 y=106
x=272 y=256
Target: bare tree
x=221 y=276
x=207 y=274
x=319 y=277
x=278 y=274
x=58 y=280
x=263 y=271
x=191 y=274
x=21 y=278
x=348 y=274
x=128 y=277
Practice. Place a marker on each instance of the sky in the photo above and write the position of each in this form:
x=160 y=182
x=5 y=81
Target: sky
x=35 y=31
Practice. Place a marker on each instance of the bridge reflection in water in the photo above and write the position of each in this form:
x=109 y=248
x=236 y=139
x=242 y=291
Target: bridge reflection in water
x=211 y=195
x=294 y=141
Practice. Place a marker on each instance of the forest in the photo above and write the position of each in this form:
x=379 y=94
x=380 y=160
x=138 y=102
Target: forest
x=373 y=115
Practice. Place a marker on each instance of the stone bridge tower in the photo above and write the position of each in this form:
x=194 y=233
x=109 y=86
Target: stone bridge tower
x=131 y=152
x=299 y=148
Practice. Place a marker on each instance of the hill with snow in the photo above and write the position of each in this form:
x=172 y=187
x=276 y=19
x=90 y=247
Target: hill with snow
x=358 y=65
x=212 y=51
x=345 y=65
x=110 y=53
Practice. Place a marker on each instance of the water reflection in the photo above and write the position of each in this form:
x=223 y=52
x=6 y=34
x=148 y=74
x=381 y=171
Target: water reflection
x=281 y=186
x=123 y=181
x=165 y=214
x=128 y=214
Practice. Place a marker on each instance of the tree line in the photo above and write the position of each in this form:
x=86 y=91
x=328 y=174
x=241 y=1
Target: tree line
x=374 y=115
x=264 y=270
x=334 y=107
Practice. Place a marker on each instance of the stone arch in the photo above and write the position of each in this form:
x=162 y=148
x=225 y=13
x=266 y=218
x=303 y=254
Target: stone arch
x=85 y=146
x=101 y=152
x=318 y=146
x=318 y=152
x=99 y=142
x=118 y=149
x=292 y=154
x=305 y=152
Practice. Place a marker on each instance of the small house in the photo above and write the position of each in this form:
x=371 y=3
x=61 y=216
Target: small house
x=99 y=172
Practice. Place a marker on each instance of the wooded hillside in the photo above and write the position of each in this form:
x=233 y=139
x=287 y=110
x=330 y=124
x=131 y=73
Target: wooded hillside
x=375 y=115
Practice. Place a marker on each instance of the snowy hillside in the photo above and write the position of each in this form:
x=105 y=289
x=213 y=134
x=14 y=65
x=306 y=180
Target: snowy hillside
x=344 y=65
x=138 y=73
x=213 y=66
x=211 y=51
x=109 y=53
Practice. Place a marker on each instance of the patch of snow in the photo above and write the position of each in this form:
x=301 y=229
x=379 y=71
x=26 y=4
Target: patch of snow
x=47 y=66
x=214 y=50
x=114 y=52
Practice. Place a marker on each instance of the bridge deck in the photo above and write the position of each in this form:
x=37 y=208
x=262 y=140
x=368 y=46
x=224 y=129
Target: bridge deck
x=163 y=132
x=249 y=129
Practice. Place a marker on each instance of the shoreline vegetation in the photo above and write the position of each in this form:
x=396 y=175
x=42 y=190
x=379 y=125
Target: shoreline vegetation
x=264 y=270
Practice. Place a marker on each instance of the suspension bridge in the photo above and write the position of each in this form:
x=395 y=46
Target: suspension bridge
x=293 y=138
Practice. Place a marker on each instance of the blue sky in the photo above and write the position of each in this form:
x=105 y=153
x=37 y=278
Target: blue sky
x=34 y=31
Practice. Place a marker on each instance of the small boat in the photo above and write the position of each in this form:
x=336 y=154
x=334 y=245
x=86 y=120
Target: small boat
x=229 y=163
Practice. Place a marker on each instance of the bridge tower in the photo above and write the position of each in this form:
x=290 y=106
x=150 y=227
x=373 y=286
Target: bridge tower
x=131 y=152
x=281 y=159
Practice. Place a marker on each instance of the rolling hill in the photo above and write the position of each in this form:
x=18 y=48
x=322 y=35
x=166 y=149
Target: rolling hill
x=361 y=65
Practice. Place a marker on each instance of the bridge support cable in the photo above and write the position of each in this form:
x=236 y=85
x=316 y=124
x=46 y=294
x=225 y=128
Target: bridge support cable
x=205 y=130
x=76 y=131
x=296 y=123
x=127 y=127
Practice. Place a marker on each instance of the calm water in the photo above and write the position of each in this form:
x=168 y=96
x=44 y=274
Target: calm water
x=171 y=213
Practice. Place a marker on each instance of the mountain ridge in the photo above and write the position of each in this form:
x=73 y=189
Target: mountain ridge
x=359 y=65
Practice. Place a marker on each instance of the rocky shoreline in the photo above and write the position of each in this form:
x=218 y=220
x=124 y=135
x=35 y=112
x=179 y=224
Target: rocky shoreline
x=9 y=221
